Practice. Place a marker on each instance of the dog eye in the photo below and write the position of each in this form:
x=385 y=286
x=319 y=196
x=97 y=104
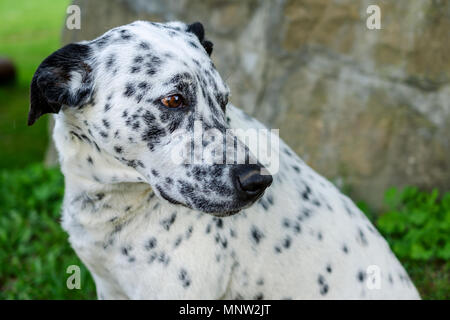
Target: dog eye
x=173 y=101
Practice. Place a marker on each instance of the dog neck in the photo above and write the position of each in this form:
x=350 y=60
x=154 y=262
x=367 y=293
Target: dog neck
x=93 y=176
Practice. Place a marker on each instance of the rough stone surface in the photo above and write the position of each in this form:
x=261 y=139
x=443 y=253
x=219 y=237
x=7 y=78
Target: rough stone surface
x=366 y=108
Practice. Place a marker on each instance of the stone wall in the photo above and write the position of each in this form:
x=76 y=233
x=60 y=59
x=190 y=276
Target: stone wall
x=368 y=109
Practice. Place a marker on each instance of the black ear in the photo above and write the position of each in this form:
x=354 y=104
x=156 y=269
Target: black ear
x=63 y=78
x=197 y=29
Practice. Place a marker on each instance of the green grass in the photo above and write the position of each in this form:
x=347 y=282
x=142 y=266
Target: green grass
x=29 y=32
x=432 y=278
x=417 y=226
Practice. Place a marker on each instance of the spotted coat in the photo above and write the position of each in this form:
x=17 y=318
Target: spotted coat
x=149 y=229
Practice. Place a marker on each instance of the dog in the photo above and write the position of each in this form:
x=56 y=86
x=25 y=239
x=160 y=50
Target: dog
x=147 y=227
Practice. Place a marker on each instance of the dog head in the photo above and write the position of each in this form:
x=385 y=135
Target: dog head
x=149 y=95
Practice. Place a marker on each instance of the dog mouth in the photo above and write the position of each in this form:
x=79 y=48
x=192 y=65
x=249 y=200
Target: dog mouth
x=225 y=210
x=223 y=201
x=224 y=213
x=217 y=209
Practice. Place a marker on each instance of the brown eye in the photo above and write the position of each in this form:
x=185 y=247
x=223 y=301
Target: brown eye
x=173 y=101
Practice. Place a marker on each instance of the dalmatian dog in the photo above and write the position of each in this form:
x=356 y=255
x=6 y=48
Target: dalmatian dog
x=149 y=227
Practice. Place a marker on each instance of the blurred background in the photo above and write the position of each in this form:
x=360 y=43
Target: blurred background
x=368 y=109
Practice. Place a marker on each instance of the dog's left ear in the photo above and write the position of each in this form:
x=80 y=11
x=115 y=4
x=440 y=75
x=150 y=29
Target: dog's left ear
x=63 y=78
x=197 y=29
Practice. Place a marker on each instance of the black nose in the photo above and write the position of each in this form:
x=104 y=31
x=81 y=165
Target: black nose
x=250 y=183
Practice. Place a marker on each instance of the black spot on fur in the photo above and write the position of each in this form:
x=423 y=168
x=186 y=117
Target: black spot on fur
x=167 y=223
x=263 y=204
x=345 y=249
x=361 y=276
x=125 y=251
x=143 y=85
x=129 y=90
x=103 y=41
x=184 y=277
x=138 y=59
x=193 y=44
x=110 y=61
x=219 y=223
x=178 y=241
x=324 y=289
x=135 y=69
x=322 y=284
x=163 y=258
x=259 y=296
x=125 y=34
x=256 y=234
x=106 y=123
x=144 y=45
x=287 y=242
x=297 y=228
x=362 y=238
x=152 y=135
